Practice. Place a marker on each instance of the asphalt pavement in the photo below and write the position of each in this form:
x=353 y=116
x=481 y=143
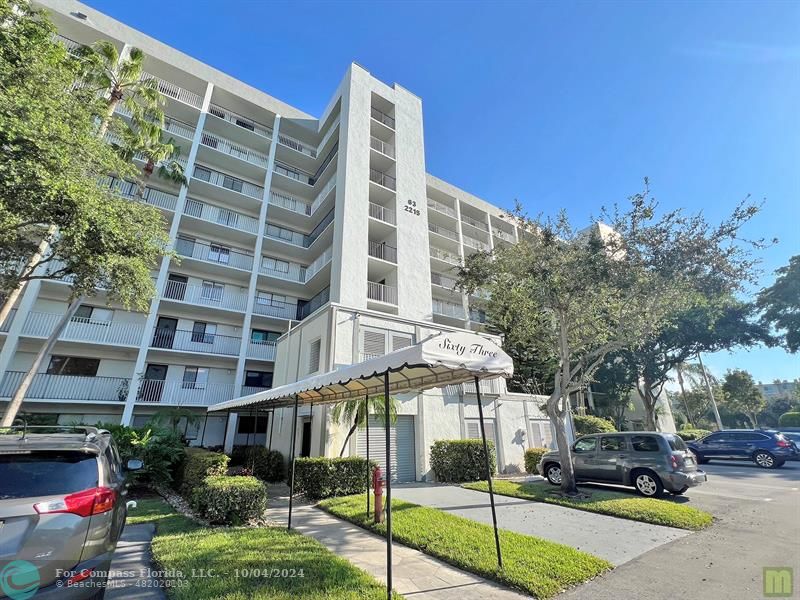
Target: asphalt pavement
x=757 y=525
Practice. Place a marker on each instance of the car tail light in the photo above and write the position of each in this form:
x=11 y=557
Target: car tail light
x=93 y=501
x=784 y=444
x=674 y=461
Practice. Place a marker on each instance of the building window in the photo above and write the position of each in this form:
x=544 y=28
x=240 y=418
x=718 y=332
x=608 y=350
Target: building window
x=273 y=264
x=260 y=379
x=542 y=434
x=211 y=290
x=474 y=430
x=262 y=336
x=220 y=254
x=203 y=333
x=73 y=365
x=86 y=314
x=195 y=378
x=249 y=424
x=377 y=342
x=267 y=299
x=313 y=356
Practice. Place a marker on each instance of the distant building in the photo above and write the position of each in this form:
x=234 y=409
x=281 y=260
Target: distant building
x=780 y=390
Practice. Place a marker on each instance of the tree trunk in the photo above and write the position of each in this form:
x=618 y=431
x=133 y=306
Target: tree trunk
x=689 y=417
x=558 y=416
x=349 y=435
x=113 y=101
x=19 y=395
x=568 y=484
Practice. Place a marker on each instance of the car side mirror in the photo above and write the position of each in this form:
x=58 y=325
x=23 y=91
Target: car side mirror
x=133 y=464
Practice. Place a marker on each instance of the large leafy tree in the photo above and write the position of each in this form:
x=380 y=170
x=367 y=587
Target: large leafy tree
x=612 y=386
x=741 y=394
x=781 y=304
x=576 y=296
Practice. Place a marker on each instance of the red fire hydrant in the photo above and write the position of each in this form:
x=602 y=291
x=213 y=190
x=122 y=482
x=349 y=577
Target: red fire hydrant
x=377 y=486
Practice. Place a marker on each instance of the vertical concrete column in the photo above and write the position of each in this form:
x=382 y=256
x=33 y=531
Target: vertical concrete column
x=141 y=357
x=26 y=302
x=464 y=300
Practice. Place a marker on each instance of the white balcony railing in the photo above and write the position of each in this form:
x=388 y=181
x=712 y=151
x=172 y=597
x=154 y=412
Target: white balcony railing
x=261 y=350
x=384 y=179
x=278 y=310
x=383 y=251
x=151 y=196
x=443 y=231
x=441 y=207
x=176 y=92
x=289 y=202
x=443 y=281
x=213 y=253
x=473 y=243
x=323 y=193
x=382 y=117
x=6 y=325
x=40 y=324
x=221 y=216
x=67 y=387
x=225 y=146
x=376 y=211
x=319 y=262
x=240 y=121
x=295 y=144
x=184 y=393
x=287 y=271
x=482 y=225
x=448 y=309
x=216 y=296
x=381 y=146
x=171 y=126
x=195 y=341
x=222 y=180
x=283 y=234
x=71 y=45
x=293 y=173
x=503 y=235
x=381 y=292
x=445 y=256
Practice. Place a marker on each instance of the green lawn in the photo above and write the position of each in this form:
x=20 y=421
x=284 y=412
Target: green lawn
x=539 y=567
x=616 y=504
x=234 y=553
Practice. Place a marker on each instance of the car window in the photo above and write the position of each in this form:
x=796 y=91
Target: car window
x=612 y=443
x=645 y=443
x=46 y=474
x=675 y=442
x=718 y=437
x=585 y=445
x=748 y=436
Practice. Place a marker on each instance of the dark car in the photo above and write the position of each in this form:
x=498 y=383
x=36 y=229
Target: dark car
x=647 y=460
x=62 y=508
x=767 y=448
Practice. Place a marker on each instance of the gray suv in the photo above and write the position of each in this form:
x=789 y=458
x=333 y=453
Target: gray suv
x=62 y=510
x=649 y=461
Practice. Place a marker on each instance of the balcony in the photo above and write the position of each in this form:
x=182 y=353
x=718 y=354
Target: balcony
x=184 y=393
x=288 y=271
x=261 y=350
x=477 y=315
x=382 y=293
x=275 y=309
x=176 y=92
x=443 y=281
x=441 y=207
x=79 y=329
x=382 y=117
x=383 y=179
x=221 y=180
x=443 y=231
x=225 y=146
x=289 y=202
x=293 y=173
x=319 y=263
x=482 y=225
x=295 y=144
x=381 y=146
x=445 y=256
x=221 y=216
x=71 y=45
x=195 y=341
x=503 y=235
x=306 y=308
x=285 y=235
x=67 y=387
x=215 y=296
x=448 y=309
x=6 y=325
x=171 y=126
x=475 y=244
x=240 y=121
x=383 y=251
x=213 y=253
x=151 y=196
x=376 y=211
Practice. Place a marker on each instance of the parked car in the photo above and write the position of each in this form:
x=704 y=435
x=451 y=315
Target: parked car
x=767 y=448
x=62 y=506
x=649 y=461
x=794 y=437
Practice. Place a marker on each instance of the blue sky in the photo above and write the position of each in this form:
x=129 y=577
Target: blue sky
x=556 y=104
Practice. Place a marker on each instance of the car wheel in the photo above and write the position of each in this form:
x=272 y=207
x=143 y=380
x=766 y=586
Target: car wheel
x=765 y=460
x=553 y=473
x=699 y=458
x=648 y=484
x=681 y=491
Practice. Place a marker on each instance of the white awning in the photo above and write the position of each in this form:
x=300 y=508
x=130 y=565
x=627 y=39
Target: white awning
x=444 y=359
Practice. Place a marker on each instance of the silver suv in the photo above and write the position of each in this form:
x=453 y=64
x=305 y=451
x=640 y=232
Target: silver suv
x=649 y=461
x=62 y=510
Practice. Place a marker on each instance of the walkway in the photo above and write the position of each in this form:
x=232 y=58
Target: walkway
x=416 y=575
x=616 y=540
x=132 y=557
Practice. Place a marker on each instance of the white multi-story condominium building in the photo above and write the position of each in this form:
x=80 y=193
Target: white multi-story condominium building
x=305 y=243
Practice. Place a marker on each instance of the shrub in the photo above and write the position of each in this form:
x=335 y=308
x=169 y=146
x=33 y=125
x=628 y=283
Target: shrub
x=198 y=464
x=321 y=477
x=789 y=419
x=689 y=435
x=266 y=464
x=590 y=424
x=532 y=458
x=161 y=450
x=461 y=460
x=230 y=500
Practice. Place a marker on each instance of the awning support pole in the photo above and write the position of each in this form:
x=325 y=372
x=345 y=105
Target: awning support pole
x=388 y=476
x=291 y=460
x=255 y=437
x=227 y=423
x=488 y=473
x=369 y=475
x=248 y=433
x=271 y=427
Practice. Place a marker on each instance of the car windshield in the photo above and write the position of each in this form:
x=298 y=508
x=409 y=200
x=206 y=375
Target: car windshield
x=675 y=442
x=46 y=474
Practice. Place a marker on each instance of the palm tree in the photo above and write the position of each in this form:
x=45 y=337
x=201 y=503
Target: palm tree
x=142 y=139
x=124 y=81
x=356 y=411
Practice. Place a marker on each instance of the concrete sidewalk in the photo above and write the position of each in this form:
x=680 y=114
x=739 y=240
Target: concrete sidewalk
x=133 y=556
x=415 y=574
x=616 y=540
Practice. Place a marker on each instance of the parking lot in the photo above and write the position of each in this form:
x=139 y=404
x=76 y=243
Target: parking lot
x=758 y=525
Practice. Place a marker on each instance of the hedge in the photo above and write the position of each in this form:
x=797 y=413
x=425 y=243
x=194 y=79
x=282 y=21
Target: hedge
x=532 y=458
x=198 y=464
x=321 y=477
x=266 y=464
x=590 y=424
x=230 y=500
x=789 y=419
x=689 y=435
x=161 y=450
x=461 y=460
